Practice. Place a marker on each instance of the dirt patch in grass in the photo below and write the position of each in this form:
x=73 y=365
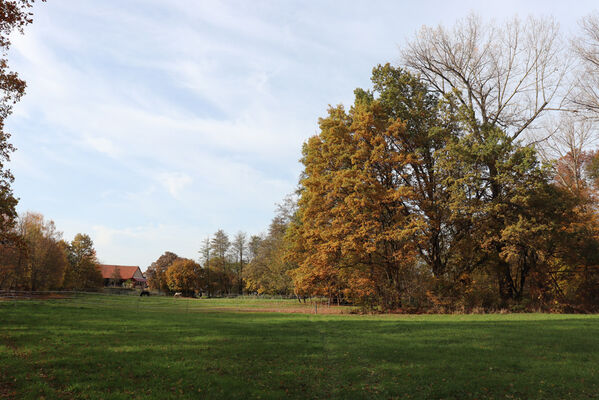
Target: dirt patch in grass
x=332 y=310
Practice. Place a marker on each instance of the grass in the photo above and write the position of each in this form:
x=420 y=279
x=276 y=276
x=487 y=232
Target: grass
x=119 y=347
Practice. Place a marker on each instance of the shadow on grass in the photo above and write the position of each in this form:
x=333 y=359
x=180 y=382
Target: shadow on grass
x=56 y=351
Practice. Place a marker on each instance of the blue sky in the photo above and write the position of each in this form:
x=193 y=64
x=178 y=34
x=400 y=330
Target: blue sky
x=151 y=124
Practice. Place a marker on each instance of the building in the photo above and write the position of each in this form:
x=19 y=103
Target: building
x=117 y=275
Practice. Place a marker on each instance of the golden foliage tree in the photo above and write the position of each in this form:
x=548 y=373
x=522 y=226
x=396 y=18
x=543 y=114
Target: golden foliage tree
x=185 y=276
x=46 y=260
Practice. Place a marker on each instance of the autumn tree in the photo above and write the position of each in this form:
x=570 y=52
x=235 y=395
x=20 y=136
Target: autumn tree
x=156 y=272
x=13 y=254
x=14 y=16
x=186 y=276
x=46 y=260
x=353 y=218
x=409 y=193
x=503 y=80
x=82 y=271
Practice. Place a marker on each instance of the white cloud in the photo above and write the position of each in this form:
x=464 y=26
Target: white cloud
x=103 y=145
x=174 y=182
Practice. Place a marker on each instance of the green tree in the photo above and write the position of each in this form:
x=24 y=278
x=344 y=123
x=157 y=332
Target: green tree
x=267 y=272
x=239 y=247
x=223 y=277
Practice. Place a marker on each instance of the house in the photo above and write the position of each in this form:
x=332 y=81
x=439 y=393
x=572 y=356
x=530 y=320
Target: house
x=119 y=274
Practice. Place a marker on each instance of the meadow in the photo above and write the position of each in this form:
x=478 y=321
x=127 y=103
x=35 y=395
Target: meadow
x=126 y=347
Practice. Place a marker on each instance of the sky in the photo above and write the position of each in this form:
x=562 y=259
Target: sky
x=151 y=124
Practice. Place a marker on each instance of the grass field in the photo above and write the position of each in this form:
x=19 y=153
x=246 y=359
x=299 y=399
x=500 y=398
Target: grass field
x=120 y=347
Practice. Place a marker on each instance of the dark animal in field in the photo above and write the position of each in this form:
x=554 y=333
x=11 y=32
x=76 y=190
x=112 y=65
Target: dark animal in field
x=144 y=293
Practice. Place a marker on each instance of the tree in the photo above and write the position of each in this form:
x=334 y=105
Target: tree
x=156 y=272
x=502 y=79
x=46 y=260
x=219 y=246
x=267 y=272
x=586 y=46
x=185 y=276
x=82 y=271
x=239 y=247
x=115 y=277
x=253 y=246
x=405 y=194
x=205 y=258
x=354 y=226
x=13 y=254
x=504 y=76
x=14 y=16
x=569 y=150
x=428 y=126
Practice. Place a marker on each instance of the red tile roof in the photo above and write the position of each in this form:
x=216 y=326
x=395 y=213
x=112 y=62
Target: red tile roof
x=125 y=271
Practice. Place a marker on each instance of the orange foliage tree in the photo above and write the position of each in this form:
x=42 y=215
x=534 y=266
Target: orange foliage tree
x=186 y=276
x=371 y=206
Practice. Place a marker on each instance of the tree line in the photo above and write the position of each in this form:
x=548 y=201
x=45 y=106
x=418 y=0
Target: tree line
x=37 y=258
x=466 y=178
x=231 y=266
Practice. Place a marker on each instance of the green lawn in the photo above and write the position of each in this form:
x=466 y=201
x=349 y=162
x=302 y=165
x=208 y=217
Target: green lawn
x=118 y=347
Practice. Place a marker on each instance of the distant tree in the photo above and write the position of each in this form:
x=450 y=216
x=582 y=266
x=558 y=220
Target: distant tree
x=205 y=257
x=220 y=245
x=115 y=277
x=156 y=273
x=239 y=246
x=253 y=246
x=14 y=16
x=267 y=272
x=82 y=271
x=46 y=260
x=185 y=276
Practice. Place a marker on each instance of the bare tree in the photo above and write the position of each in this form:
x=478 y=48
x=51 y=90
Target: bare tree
x=569 y=144
x=504 y=76
x=586 y=47
x=205 y=256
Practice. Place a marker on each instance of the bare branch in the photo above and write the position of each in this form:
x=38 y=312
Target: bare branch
x=509 y=75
